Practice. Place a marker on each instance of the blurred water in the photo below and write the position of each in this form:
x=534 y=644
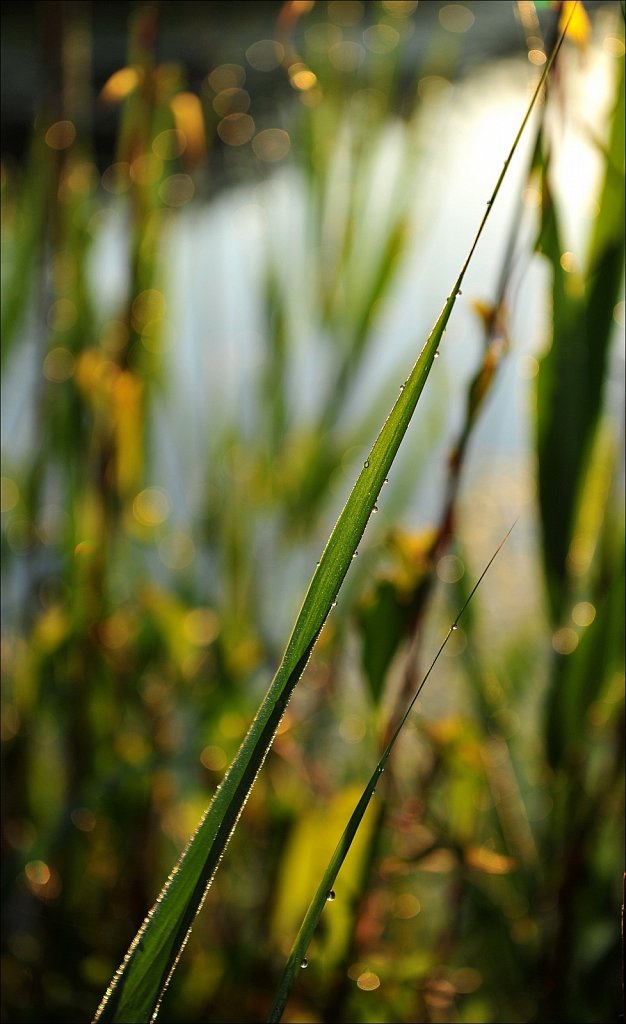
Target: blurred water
x=214 y=260
x=216 y=257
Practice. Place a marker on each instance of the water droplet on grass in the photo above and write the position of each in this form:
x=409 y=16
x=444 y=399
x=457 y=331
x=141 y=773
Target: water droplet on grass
x=304 y=963
x=366 y=464
x=375 y=509
x=331 y=896
x=454 y=626
x=437 y=355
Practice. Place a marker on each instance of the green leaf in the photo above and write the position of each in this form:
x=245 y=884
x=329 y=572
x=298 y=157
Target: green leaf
x=317 y=904
x=572 y=372
x=137 y=988
x=382 y=620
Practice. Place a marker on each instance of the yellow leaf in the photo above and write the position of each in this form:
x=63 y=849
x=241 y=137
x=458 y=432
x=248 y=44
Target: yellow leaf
x=128 y=411
x=311 y=843
x=120 y=84
x=189 y=119
x=483 y=859
x=51 y=629
x=579 y=27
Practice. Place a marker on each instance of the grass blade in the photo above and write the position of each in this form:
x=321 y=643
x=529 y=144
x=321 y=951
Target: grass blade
x=572 y=371
x=136 y=991
x=297 y=956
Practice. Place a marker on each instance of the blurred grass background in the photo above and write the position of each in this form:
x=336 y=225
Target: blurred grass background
x=225 y=228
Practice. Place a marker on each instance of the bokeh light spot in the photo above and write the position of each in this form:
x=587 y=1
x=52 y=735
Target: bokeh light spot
x=466 y=980
x=400 y=8
x=613 y=45
x=583 y=613
x=381 y=38
x=62 y=315
x=227 y=76
x=301 y=77
x=146 y=169
x=176 y=190
x=60 y=135
x=116 y=178
x=438 y=994
x=37 y=872
x=176 y=550
x=407 y=906
x=213 y=758
x=565 y=640
x=59 y=364
x=450 y=568
x=346 y=56
x=456 y=18
x=169 y=144
x=83 y=819
x=236 y=129
x=231 y=101
x=147 y=305
x=265 y=55
x=271 y=144
x=201 y=626
x=569 y=262
x=433 y=86
x=368 y=981
x=537 y=57
x=151 y=506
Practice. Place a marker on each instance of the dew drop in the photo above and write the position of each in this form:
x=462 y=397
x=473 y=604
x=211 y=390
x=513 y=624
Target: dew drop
x=331 y=896
x=366 y=464
x=454 y=626
x=386 y=480
x=304 y=963
x=334 y=604
x=355 y=554
x=437 y=355
x=375 y=509
x=402 y=387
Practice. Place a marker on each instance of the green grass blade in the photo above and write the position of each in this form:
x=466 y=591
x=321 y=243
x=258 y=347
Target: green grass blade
x=136 y=991
x=297 y=956
x=572 y=372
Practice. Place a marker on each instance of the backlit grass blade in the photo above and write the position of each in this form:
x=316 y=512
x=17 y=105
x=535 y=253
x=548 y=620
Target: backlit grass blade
x=297 y=956
x=137 y=988
x=570 y=384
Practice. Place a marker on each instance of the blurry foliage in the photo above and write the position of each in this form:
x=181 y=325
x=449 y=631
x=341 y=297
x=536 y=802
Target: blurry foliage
x=486 y=884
